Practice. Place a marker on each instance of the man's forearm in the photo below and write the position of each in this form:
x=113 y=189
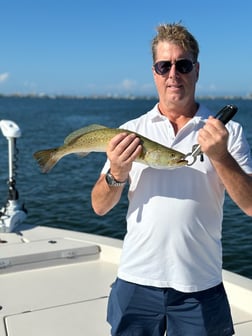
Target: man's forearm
x=104 y=197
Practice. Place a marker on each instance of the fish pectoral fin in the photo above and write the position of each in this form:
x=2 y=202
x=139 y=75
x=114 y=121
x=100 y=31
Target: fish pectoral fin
x=143 y=153
x=84 y=130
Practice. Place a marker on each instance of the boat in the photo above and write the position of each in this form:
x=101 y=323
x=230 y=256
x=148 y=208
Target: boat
x=56 y=282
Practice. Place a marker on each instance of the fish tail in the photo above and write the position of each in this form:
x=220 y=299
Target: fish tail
x=46 y=159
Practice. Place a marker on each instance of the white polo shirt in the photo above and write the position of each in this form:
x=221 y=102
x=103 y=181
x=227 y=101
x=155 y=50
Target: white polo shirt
x=174 y=217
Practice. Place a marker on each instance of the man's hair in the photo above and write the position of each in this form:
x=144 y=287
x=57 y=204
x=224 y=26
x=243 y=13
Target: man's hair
x=177 y=34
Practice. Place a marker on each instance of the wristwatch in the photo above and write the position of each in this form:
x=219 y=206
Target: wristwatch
x=112 y=182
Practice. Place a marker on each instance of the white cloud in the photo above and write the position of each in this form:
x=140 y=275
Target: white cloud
x=148 y=88
x=4 y=76
x=30 y=85
x=212 y=87
x=128 y=84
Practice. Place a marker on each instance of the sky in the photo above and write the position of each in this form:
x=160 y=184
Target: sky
x=98 y=47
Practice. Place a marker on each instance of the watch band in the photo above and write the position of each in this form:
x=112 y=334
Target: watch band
x=112 y=182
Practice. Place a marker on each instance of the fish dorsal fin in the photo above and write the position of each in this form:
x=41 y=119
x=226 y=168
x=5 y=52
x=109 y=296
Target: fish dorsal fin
x=84 y=130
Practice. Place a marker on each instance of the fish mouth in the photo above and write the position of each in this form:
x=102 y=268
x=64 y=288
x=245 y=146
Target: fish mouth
x=182 y=162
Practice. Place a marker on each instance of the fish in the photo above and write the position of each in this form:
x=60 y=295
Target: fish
x=95 y=138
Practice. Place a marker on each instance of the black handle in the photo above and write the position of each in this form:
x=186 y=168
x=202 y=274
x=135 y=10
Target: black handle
x=226 y=113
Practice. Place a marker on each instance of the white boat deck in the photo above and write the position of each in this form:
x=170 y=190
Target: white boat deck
x=56 y=283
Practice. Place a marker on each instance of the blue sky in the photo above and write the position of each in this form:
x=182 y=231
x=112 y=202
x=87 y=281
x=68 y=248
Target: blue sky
x=83 y=47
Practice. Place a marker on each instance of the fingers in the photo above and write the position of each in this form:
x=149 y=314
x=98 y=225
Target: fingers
x=207 y=132
x=124 y=144
x=122 y=150
x=213 y=138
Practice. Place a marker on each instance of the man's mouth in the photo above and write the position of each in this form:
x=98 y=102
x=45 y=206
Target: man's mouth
x=174 y=86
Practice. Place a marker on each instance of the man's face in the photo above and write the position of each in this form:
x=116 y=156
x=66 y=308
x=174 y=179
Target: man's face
x=175 y=87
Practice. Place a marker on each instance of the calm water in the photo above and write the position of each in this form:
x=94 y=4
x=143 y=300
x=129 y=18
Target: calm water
x=62 y=198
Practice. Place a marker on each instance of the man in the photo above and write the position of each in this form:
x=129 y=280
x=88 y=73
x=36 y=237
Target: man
x=170 y=275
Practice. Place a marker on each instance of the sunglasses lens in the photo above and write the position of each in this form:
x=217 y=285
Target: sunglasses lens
x=162 y=67
x=183 y=66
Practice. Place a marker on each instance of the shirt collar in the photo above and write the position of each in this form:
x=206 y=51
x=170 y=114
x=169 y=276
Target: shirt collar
x=202 y=114
x=155 y=114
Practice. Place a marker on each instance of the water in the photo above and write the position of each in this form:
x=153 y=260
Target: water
x=62 y=198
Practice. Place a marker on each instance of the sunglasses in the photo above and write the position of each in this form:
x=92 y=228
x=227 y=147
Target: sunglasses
x=184 y=66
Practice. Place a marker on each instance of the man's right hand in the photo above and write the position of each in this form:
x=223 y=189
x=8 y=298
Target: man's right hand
x=122 y=150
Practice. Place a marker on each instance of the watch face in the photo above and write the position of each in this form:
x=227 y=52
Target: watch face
x=109 y=179
x=112 y=182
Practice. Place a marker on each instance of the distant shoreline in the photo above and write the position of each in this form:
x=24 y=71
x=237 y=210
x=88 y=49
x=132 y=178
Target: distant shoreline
x=116 y=97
